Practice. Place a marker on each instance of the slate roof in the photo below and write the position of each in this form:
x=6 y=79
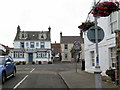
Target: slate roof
x=32 y=35
x=71 y=39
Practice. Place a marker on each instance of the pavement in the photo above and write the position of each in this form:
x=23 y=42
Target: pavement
x=82 y=79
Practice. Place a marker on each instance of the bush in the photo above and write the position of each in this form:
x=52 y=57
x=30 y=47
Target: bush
x=23 y=62
x=17 y=63
x=39 y=62
x=33 y=62
x=49 y=62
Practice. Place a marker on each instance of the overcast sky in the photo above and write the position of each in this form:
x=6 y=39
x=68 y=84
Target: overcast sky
x=37 y=15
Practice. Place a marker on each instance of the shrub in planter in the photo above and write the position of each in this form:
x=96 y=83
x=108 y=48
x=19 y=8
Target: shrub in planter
x=17 y=63
x=33 y=62
x=49 y=62
x=39 y=62
x=111 y=73
x=23 y=62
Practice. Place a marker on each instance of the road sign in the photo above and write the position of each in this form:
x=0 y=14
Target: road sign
x=91 y=34
x=76 y=45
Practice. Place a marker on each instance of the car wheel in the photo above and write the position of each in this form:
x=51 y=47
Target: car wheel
x=3 y=77
x=14 y=73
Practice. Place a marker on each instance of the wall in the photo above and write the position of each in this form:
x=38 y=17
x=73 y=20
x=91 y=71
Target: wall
x=17 y=44
x=104 y=55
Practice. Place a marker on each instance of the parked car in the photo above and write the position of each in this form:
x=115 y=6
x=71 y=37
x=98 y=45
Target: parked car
x=7 y=68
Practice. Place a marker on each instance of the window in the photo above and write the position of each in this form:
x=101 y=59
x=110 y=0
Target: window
x=42 y=44
x=27 y=44
x=18 y=54
x=32 y=44
x=92 y=58
x=37 y=44
x=23 y=35
x=66 y=46
x=22 y=44
x=66 y=56
x=113 y=22
x=41 y=55
x=113 y=57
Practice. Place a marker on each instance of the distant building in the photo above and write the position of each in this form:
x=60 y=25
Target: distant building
x=67 y=51
x=4 y=50
x=32 y=46
x=56 y=50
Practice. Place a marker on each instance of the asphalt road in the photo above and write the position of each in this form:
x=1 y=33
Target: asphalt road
x=39 y=76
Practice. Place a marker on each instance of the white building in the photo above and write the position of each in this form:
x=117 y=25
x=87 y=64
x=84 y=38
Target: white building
x=107 y=52
x=32 y=46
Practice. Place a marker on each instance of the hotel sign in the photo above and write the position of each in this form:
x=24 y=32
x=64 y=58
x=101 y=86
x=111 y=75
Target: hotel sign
x=30 y=50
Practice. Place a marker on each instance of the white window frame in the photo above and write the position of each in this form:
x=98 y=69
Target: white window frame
x=65 y=46
x=113 y=22
x=112 y=57
x=66 y=55
x=42 y=45
x=18 y=54
x=41 y=55
x=92 y=53
x=32 y=45
x=37 y=44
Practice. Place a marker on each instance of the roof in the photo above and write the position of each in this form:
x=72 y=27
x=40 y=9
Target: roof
x=32 y=35
x=71 y=39
x=55 y=45
x=6 y=47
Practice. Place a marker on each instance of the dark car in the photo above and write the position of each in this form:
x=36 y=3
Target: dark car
x=7 y=68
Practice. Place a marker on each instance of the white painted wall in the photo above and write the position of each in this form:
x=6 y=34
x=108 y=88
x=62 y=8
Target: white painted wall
x=17 y=44
x=47 y=46
x=108 y=42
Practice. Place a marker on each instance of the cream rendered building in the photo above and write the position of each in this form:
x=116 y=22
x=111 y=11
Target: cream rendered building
x=67 y=46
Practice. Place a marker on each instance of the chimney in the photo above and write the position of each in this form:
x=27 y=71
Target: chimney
x=49 y=28
x=60 y=34
x=18 y=28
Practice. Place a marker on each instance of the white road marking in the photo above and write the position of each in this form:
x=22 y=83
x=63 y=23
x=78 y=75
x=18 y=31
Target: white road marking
x=23 y=79
x=32 y=70
x=20 y=82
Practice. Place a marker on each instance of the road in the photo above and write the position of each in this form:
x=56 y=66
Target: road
x=39 y=76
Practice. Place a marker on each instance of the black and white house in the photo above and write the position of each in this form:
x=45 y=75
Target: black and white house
x=32 y=46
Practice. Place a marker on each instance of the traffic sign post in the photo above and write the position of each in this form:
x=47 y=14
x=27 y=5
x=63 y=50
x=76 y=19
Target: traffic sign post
x=98 y=80
x=76 y=47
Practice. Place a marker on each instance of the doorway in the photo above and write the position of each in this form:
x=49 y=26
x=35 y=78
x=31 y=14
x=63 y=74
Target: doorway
x=30 y=57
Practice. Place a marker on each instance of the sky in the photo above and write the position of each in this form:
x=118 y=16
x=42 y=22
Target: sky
x=37 y=15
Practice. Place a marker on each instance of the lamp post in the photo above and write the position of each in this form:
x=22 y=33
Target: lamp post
x=97 y=71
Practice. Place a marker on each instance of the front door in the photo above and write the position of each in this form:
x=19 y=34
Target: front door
x=30 y=57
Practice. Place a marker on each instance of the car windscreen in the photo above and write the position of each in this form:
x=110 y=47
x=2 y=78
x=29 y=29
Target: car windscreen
x=1 y=60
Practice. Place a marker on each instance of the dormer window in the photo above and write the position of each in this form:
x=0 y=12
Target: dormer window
x=23 y=35
x=42 y=36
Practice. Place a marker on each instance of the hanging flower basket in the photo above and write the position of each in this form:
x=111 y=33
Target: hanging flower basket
x=86 y=25
x=104 y=9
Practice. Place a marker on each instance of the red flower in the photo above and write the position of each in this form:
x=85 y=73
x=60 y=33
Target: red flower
x=105 y=8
